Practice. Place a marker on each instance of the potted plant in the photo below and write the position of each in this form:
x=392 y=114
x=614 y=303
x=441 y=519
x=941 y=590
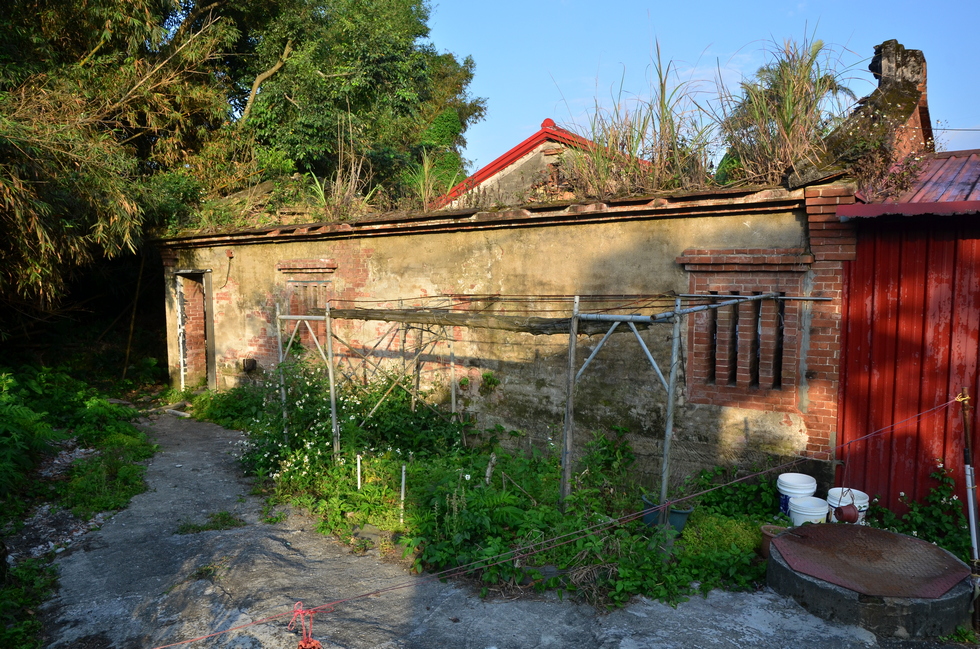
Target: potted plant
x=769 y=532
x=677 y=515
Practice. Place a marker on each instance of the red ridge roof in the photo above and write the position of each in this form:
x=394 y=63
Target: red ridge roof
x=549 y=132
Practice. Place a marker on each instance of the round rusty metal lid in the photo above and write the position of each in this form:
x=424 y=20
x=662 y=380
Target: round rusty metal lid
x=871 y=561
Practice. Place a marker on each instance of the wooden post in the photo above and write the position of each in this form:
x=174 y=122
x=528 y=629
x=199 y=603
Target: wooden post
x=566 y=449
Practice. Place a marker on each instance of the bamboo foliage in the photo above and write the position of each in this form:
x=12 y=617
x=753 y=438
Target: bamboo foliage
x=779 y=118
x=72 y=143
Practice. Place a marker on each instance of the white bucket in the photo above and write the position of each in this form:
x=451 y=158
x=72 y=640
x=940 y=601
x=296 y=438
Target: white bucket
x=845 y=496
x=806 y=509
x=793 y=485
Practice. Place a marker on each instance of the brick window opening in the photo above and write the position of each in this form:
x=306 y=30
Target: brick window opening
x=745 y=354
x=308 y=287
x=746 y=343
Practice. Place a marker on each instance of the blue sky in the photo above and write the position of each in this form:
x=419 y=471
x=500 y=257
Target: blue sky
x=553 y=58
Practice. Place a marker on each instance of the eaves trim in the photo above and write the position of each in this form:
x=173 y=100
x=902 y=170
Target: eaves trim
x=765 y=202
x=871 y=210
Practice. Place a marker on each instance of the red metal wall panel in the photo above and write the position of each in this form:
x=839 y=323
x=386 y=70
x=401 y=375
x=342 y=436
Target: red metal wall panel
x=911 y=323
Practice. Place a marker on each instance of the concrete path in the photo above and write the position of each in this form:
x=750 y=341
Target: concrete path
x=136 y=583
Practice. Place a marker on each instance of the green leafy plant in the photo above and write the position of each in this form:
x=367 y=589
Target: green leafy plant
x=24 y=437
x=488 y=383
x=33 y=402
x=962 y=635
x=939 y=518
x=21 y=594
x=756 y=499
x=485 y=510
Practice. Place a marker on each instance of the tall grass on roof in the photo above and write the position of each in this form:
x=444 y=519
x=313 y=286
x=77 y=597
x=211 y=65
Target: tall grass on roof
x=645 y=145
x=779 y=118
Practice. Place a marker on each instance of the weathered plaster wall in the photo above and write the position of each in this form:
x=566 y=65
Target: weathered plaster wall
x=598 y=258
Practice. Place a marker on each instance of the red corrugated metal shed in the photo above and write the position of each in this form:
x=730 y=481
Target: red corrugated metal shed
x=911 y=319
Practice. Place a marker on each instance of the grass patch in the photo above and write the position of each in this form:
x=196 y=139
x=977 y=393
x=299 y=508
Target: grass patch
x=216 y=521
x=209 y=571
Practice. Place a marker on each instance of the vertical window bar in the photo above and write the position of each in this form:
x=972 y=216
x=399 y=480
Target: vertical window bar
x=777 y=356
x=755 y=350
x=733 y=344
x=713 y=335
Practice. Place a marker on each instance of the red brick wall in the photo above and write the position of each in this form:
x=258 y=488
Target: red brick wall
x=809 y=372
x=195 y=344
x=832 y=243
x=731 y=364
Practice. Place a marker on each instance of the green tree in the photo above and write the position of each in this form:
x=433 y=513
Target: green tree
x=93 y=96
x=115 y=114
x=330 y=74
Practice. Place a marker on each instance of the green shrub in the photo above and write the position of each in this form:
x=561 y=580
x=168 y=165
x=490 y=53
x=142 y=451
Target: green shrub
x=939 y=518
x=487 y=511
x=756 y=499
x=24 y=437
x=26 y=587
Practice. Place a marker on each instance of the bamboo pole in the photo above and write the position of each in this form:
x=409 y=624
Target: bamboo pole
x=132 y=319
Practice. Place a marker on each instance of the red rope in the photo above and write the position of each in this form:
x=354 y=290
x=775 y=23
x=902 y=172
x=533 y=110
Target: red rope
x=305 y=618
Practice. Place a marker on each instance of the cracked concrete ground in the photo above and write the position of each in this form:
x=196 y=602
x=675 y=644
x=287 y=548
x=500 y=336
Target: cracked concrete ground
x=136 y=583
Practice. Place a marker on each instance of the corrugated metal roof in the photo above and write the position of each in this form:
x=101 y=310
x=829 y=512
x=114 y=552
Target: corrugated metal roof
x=945 y=178
x=949 y=183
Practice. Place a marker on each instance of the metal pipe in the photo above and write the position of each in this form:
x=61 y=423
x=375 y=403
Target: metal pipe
x=971 y=504
x=335 y=428
x=566 y=450
x=650 y=358
x=778 y=297
x=669 y=426
x=971 y=484
x=292 y=337
x=401 y=515
x=452 y=371
x=596 y=350
x=669 y=315
x=282 y=379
